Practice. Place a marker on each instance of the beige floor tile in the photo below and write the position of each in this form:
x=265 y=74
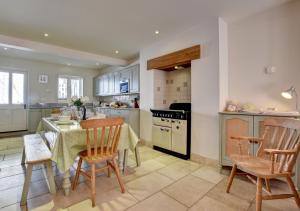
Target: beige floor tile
x=158 y=202
x=147 y=185
x=210 y=174
x=13 y=195
x=147 y=155
x=114 y=200
x=9 y=163
x=81 y=193
x=12 y=170
x=277 y=205
x=179 y=169
x=166 y=159
x=16 y=156
x=241 y=194
x=209 y=204
x=14 y=207
x=188 y=190
x=146 y=167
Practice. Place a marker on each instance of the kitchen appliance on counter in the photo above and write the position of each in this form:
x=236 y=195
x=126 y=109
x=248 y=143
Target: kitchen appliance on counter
x=171 y=130
x=124 y=86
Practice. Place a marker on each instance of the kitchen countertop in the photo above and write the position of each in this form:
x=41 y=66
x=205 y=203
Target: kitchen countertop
x=128 y=108
x=284 y=114
x=52 y=105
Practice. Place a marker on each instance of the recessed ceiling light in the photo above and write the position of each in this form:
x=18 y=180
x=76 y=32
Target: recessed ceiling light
x=69 y=64
x=97 y=64
x=116 y=51
x=46 y=35
x=156 y=32
x=5 y=49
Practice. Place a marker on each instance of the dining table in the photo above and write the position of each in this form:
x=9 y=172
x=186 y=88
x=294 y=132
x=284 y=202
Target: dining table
x=67 y=139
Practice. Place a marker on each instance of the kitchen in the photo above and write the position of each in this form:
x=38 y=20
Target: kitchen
x=173 y=99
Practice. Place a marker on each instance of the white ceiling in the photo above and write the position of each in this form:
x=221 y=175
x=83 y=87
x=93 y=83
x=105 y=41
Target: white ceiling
x=102 y=26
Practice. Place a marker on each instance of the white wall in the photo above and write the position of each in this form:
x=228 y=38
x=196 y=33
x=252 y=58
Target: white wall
x=204 y=85
x=270 y=38
x=223 y=63
x=47 y=93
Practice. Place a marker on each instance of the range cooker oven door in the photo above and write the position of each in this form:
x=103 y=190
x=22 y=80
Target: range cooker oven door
x=179 y=136
x=162 y=136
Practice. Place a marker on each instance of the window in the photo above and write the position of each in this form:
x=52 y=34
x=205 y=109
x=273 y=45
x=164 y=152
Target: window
x=69 y=86
x=12 y=88
x=17 y=88
x=4 y=87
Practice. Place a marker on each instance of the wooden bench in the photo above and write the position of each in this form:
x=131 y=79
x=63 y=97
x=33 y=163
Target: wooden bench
x=36 y=152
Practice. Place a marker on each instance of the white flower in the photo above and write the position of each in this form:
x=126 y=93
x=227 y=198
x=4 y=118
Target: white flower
x=85 y=99
x=74 y=98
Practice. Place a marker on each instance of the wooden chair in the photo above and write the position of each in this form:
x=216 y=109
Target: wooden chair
x=105 y=150
x=276 y=156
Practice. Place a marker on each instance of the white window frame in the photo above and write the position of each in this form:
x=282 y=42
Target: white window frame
x=11 y=71
x=69 y=78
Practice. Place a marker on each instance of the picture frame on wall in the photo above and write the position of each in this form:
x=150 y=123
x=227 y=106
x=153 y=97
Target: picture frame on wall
x=43 y=79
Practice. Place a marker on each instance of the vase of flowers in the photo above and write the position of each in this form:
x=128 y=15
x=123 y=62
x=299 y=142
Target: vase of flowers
x=80 y=102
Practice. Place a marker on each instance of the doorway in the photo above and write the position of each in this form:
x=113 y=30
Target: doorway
x=13 y=97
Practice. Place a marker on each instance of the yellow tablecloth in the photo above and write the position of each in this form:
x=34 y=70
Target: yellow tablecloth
x=71 y=139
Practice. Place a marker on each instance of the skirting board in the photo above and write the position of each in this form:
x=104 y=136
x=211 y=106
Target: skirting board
x=194 y=157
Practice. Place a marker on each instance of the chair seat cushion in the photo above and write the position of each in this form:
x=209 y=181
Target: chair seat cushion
x=257 y=166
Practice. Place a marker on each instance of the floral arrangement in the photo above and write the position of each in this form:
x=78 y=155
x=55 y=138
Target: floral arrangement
x=78 y=101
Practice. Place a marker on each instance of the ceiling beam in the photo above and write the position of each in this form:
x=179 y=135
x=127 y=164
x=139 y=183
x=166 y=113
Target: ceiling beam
x=38 y=47
x=181 y=57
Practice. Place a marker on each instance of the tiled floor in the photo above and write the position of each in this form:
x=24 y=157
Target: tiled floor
x=161 y=183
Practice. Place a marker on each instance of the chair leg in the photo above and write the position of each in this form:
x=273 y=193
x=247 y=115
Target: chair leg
x=93 y=184
x=137 y=155
x=293 y=189
x=268 y=186
x=258 y=194
x=75 y=182
x=23 y=157
x=117 y=171
x=108 y=169
x=232 y=174
x=125 y=161
x=26 y=184
x=50 y=177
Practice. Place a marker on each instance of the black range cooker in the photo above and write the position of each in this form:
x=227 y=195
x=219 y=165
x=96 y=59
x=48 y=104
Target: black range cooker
x=171 y=130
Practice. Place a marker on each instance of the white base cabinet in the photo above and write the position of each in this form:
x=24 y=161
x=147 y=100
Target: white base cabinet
x=131 y=116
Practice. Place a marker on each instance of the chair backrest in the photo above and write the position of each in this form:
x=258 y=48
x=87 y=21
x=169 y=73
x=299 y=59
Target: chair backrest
x=281 y=134
x=109 y=132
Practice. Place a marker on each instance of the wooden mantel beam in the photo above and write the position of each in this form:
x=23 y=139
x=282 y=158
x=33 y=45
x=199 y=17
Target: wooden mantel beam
x=181 y=57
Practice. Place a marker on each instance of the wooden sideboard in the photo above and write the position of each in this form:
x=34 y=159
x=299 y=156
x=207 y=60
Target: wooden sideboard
x=244 y=124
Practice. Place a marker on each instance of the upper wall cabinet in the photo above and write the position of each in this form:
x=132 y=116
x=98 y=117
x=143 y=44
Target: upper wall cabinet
x=109 y=84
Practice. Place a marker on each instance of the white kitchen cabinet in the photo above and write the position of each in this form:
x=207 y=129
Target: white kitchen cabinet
x=34 y=118
x=111 y=84
x=131 y=116
x=117 y=82
x=125 y=75
x=135 y=79
x=105 y=85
